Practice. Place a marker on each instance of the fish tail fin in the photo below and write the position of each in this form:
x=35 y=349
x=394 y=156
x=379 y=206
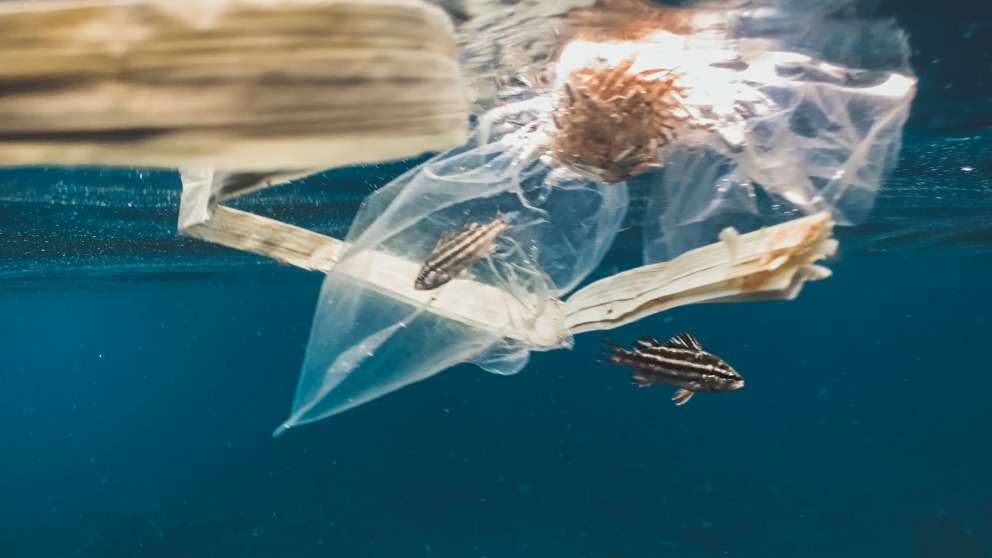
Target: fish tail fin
x=608 y=343
x=606 y=356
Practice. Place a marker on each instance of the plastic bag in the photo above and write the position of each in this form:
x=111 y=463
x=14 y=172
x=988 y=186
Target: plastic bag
x=820 y=125
x=748 y=124
x=560 y=227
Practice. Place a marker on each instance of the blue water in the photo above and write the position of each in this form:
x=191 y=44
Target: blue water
x=142 y=373
x=137 y=421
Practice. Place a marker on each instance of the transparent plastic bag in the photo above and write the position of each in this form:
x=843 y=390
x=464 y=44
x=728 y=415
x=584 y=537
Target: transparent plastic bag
x=828 y=95
x=560 y=227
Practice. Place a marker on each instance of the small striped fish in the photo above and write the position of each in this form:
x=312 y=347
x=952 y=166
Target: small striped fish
x=456 y=251
x=679 y=362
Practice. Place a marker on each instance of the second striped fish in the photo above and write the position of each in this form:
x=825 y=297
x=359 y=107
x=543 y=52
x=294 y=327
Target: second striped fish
x=680 y=362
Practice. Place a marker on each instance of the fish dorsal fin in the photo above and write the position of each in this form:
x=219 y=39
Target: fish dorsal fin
x=450 y=235
x=447 y=236
x=646 y=342
x=684 y=341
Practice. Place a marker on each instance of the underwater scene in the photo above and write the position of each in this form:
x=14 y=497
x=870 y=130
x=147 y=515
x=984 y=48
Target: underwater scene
x=470 y=370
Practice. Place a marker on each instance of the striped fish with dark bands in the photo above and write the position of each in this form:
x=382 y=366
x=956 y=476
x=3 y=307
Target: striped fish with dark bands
x=457 y=251
x=679 y=362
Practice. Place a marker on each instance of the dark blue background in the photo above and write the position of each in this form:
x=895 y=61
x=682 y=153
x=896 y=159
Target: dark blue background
x=137 y=422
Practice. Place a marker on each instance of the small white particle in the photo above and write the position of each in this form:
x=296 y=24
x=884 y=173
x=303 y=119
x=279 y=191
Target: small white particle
x=967 y=169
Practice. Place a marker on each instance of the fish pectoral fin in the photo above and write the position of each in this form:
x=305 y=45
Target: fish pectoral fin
x=682 y=396
x=641 y=381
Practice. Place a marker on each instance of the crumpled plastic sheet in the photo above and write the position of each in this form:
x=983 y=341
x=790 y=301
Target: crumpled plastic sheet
x=814 y=122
